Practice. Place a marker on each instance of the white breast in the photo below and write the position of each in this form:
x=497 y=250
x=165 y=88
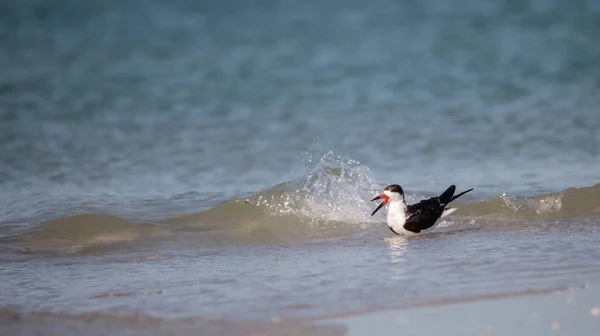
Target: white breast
x=396 y=217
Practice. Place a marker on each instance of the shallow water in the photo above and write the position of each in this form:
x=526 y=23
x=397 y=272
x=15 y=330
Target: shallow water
x=357 y=272
x=217 y=161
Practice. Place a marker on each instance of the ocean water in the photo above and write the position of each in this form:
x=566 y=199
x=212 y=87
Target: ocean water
x=215 y=160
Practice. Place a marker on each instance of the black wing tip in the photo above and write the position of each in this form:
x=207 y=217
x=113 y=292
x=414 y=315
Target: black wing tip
x=446 y=196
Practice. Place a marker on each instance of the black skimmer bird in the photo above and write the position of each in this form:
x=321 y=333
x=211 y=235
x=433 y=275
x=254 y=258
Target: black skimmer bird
x=417 y=218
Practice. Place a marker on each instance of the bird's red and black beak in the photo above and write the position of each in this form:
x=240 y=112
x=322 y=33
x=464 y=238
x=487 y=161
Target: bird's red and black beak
x=385 y=199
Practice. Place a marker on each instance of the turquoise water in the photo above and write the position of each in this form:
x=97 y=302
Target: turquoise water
x=186 y=145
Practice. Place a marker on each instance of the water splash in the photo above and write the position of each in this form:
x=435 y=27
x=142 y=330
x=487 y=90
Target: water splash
x=538 y=205
x=336 y=189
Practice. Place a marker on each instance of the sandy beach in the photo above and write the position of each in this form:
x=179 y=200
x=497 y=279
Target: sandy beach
x=567 y=311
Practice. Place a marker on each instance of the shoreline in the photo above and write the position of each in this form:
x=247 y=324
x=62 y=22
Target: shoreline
x=568 y=310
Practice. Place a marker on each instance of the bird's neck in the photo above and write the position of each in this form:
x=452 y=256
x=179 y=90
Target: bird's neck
x=397 y=208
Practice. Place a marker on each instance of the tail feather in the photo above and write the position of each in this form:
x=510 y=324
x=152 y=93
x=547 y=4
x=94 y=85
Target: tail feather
x=446 y=197
x=447 y=211
x=462 y=193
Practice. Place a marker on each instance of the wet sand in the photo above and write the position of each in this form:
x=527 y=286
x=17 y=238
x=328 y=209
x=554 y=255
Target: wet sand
x=566 y=311
x=571 y=311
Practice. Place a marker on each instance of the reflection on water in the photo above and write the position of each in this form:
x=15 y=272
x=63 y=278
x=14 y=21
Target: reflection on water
x=397 y=248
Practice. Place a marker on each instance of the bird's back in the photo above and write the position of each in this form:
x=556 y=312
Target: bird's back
x=423 y=215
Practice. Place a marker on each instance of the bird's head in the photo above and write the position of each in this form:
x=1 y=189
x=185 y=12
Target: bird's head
x=392 y=193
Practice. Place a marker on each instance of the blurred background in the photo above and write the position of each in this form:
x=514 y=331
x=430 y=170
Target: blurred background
x=146 y=100
x=147 y=118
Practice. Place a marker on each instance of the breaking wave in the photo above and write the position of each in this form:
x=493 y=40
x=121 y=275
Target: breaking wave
x=331 y=201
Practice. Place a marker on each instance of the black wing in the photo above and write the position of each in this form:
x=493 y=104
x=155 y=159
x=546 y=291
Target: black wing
x=423 y=215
